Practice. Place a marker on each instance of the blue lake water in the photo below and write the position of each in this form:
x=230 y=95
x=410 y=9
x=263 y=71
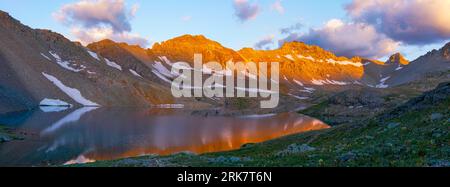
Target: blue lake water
x=58 y=136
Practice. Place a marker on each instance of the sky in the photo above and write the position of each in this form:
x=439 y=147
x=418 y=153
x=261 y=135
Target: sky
x=370 y=28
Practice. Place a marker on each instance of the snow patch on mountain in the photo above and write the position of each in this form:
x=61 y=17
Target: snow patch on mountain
x=66 y=64
x=299 y=97
x=71 y=92
x=53 y=102
x=334 y=82
x=45 y=56
x=162 y=77
x=135 y=73
x=327 y=81
x=317 y=82
x=94 y=55
x=50 y=109
x=166 y=60
x=162 y=69
x=345 y=63
x=382 y=83
x=91 y=72
x=298 y=82
x=53 y=105
x=289 y=57
x=307 y=58
x=113 y=64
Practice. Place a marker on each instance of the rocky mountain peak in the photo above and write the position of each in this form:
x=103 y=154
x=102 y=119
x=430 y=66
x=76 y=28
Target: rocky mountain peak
x=446 y=51
x=190 y=39
x=104 y=42
x=5 y=16
x=184 y=47
x=107 y=47
x=7 y=21
x=397 y=58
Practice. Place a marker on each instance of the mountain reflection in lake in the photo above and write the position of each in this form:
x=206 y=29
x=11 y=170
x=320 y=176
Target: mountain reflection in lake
x=89 y=134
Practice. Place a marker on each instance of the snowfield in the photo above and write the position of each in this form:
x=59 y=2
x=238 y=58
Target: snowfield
x=345 y=63
x=398 y=68
x=113 y=64
x=91 y=72
x=166 y=60
x=289 y=57
x=306 y=58
x=317 y=82
x=94 y=55
x=332 y=82
x=53 y=102
x=383 y=83
x=50 y=109
x=66 y=64
x=45 y=56
x=298 y=97
x=298 y=82
x=135 y=73
x=53 y=105
x=71 y=92
x=161 y=76
x=162 y=69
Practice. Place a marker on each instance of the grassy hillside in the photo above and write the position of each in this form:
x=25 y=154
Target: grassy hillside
x=414 y=134
x=364 y=103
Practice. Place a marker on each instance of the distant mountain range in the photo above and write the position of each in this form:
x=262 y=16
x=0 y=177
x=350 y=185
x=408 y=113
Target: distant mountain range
x=40 y=67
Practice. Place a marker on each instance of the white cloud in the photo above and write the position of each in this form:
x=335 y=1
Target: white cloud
x=409 y=21
x=94 y=20
x=245 y=10
x=87 y=36
x=277 y=6
x=91 y=14
x=347 y=39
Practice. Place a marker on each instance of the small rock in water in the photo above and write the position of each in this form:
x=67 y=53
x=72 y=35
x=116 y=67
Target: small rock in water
x=393 y=125
x=436 y=116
